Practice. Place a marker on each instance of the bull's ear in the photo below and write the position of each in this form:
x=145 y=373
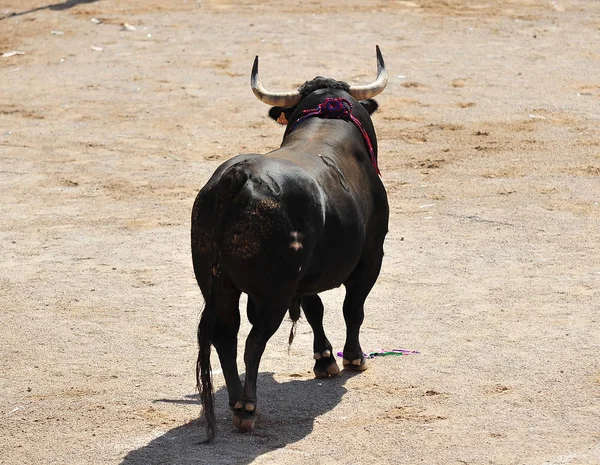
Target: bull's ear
x=370 y=105
x=280 y=114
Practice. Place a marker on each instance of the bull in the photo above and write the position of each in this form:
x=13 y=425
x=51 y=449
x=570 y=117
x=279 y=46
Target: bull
x=285 y=226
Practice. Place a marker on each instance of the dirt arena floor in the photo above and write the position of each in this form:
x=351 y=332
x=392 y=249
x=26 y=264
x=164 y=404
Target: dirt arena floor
x=115 y=114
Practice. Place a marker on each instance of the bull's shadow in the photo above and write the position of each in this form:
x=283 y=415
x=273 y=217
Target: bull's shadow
x=287 y=413
x=55 y=7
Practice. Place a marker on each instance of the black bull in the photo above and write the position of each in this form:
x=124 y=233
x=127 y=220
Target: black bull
x=283 y=227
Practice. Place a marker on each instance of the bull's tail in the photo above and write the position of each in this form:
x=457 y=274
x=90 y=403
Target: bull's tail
x=203 y=368
x=230 y=183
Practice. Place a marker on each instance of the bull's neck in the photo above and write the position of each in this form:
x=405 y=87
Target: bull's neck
x=334 y=136
x=323 y=133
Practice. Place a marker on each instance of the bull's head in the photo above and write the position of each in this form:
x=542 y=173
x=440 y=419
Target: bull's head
x=284 y=103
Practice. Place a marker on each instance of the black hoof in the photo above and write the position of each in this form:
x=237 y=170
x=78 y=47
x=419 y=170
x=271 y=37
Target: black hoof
x=325 y=365
x=244 y=416
x=357 y=364
x=244 y=425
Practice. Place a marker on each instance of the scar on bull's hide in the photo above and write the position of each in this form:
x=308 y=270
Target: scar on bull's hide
x=329 y=162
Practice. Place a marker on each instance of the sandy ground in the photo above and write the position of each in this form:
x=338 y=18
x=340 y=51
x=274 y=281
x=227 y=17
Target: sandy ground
x=489 y=141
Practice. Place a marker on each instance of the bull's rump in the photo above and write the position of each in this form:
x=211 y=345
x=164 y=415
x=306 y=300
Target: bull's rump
x=269 y=221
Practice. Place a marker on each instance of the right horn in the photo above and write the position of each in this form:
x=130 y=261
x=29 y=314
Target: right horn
x=375 y=88
x=275 y=99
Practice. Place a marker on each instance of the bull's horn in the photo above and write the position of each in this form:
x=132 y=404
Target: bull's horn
x=282 y=99
x=371 y=90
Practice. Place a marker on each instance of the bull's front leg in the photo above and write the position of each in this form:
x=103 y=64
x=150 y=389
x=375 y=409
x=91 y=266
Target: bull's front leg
x=325 y=364
x=244 y=413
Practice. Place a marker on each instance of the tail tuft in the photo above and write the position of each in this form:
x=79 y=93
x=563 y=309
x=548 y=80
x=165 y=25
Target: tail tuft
x=294 y=311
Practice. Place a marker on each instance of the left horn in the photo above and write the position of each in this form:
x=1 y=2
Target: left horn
x=275 y=99
x=371 y=90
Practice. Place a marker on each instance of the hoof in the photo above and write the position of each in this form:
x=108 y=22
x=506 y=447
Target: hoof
x=244 y=416
x=359 y=364
x=244 y=425
x=331 y=371
x=326 y=366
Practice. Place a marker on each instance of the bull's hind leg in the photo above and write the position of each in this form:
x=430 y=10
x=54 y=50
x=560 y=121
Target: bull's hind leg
x=325 y=364
x=224 y=339
x=358 y=286
x=266 y=319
